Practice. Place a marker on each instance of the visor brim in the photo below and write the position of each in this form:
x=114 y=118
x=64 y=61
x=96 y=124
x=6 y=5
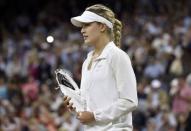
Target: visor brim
x=79 y=20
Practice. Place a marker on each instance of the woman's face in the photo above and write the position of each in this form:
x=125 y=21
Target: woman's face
x=91 y=32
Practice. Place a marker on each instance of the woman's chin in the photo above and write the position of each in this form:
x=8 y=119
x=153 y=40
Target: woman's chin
x=87 y=42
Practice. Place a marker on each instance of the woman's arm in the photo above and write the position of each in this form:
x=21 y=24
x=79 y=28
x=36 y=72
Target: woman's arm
x=120 y=107
x=126 y=87
x=117 y=109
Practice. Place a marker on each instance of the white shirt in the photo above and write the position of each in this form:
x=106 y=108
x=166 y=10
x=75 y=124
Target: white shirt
x=109 y=90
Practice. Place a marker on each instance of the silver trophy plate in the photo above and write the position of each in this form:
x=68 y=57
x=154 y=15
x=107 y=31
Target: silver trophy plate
x=69 y=88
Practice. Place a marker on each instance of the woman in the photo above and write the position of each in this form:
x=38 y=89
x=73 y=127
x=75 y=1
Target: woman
x=108 y=84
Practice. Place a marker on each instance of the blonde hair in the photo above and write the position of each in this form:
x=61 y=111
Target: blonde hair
x=109 y=15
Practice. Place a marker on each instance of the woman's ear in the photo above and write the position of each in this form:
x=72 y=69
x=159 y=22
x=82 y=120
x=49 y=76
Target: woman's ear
x=103 y=27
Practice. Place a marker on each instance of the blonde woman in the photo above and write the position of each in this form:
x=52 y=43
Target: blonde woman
x=108 y=84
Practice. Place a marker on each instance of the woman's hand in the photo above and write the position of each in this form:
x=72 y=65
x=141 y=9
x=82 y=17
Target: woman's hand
x=68 y=104
x=85 y=117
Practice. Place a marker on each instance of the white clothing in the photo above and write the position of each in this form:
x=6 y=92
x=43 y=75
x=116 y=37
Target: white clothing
x=109 y=90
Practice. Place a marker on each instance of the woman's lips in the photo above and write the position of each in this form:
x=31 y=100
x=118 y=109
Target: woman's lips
x=85 y=37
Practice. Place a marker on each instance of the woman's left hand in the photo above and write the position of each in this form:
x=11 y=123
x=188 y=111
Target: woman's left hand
x=85 y=117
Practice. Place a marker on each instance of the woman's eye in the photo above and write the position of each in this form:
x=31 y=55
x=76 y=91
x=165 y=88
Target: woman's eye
x=87 y=24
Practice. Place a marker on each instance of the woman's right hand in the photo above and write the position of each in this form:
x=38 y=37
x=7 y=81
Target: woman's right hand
x=68 y=104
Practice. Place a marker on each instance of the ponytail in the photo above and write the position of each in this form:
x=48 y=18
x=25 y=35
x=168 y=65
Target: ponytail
x=117 y=27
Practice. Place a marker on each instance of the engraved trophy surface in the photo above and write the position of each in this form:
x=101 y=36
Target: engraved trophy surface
x=69 y=88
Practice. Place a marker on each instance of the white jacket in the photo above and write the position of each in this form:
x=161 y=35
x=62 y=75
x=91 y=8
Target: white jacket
x=108 y=90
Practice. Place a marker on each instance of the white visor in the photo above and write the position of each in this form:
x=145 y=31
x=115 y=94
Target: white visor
x=88 y=17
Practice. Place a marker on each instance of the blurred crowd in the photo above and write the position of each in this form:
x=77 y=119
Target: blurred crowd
x=34 y=43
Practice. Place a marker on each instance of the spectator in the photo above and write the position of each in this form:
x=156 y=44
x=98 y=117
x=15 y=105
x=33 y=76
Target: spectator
x=3 y=88
x=181 y=101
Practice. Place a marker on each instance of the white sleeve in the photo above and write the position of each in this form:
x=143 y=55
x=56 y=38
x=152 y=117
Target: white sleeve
x=82 y=91
x=126 y=87
x=117 y=109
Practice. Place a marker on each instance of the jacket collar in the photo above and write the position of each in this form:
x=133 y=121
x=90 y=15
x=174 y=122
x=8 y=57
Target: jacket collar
x=105 y=51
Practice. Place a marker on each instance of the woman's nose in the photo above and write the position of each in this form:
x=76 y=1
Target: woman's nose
x=82 y=30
